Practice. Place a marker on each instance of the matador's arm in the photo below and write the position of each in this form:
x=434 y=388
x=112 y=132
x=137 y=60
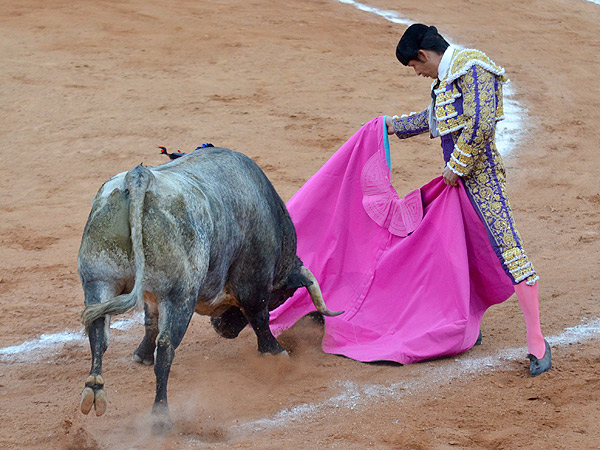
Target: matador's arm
x=412 y=124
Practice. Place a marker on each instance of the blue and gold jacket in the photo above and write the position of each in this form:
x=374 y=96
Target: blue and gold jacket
x=467 y=105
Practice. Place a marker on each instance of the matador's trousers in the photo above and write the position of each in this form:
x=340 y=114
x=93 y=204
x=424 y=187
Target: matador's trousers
x=486 y=188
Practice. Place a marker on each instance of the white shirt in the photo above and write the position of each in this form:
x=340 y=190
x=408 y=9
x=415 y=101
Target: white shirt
x=443 y=68
x=445 y=63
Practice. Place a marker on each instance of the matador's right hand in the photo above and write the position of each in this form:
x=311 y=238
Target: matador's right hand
x=389 y=124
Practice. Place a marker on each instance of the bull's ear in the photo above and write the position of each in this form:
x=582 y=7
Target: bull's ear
x=297 y=280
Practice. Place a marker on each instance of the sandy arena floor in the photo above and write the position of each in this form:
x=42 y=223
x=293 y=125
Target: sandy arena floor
x=90 y=88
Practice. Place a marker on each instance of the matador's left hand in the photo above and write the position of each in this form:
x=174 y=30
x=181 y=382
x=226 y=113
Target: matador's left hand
x=450 y=178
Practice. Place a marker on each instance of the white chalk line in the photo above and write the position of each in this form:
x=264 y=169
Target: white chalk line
x=509 y=130
x=391 y=16
x=49 y=344
x=355 y=396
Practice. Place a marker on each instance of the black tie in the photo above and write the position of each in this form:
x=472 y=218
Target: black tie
x=435 y=86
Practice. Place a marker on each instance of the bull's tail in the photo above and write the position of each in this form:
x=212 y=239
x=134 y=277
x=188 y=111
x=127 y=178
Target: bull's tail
x=137 y=181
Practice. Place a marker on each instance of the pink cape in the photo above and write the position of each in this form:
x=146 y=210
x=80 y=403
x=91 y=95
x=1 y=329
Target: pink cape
x=406 y=297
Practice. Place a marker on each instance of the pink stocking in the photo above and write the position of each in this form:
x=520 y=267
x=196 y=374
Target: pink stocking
x=529 y=301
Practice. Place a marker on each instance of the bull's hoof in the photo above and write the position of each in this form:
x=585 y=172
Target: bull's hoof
x=282 y=354
x=93 y=395
x=145 y=360
x=161 y=426
x=273 y=350
x=161 y=420
x=100 y=402
x=87 y=400
x=96 y=398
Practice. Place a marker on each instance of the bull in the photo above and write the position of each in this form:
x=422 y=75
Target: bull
x=206 y=233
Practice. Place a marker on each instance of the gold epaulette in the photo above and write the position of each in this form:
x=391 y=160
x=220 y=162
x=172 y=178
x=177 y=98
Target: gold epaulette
x=467 y=58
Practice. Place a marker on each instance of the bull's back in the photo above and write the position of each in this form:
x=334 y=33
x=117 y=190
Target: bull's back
x=210 y=205
x=249 y=217
x=232 y=179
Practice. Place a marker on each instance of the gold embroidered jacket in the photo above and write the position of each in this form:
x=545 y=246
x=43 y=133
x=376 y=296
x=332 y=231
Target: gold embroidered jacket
x=468 y=103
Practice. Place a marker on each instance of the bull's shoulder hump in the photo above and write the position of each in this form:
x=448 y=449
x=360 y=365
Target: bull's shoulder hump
x=206 y=158
x=209 y=153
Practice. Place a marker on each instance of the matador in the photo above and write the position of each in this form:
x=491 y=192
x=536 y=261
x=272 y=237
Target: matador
x=466 y=104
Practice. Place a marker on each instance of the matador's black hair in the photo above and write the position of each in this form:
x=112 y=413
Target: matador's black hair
x=419 y=37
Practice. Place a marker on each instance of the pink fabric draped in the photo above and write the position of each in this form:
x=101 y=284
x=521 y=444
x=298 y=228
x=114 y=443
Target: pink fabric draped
x=414 y=275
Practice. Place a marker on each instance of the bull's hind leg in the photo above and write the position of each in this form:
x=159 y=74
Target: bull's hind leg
x=93 y=393
x=144 y=354
x=174 y=317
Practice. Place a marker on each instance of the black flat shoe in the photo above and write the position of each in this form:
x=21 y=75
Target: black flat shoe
x=539 y=366
x=479 y=338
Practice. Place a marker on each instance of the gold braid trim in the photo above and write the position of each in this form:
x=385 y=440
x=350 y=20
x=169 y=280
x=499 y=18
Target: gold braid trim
x=466 y=58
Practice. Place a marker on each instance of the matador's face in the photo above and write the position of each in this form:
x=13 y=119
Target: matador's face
x=426 y=64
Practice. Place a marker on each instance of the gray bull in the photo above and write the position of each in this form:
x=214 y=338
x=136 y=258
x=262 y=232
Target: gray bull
x=205 y=233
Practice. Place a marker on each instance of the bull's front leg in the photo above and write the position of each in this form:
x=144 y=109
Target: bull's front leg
x=144 y=354
x=93 y=393
x=259 y=319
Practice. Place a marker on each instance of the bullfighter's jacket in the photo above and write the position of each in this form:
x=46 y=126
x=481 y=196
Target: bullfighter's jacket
x=466 y=104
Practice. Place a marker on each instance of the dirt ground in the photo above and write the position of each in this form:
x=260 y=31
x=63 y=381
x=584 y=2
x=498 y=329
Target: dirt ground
x=90 y=88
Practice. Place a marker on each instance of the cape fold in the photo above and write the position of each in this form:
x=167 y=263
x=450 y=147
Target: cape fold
x=414 y=275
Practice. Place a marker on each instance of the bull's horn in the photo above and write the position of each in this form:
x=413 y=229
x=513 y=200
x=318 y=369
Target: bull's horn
x=315 y=294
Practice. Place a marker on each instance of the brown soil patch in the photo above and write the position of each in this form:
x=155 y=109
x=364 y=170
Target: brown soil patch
x=90 y=88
